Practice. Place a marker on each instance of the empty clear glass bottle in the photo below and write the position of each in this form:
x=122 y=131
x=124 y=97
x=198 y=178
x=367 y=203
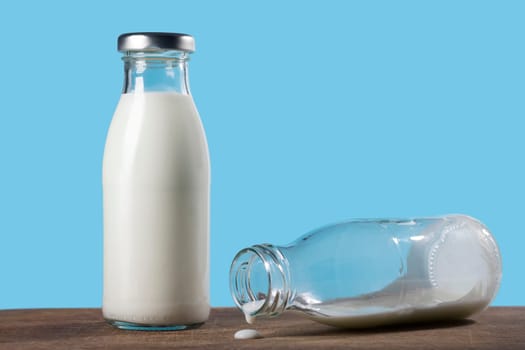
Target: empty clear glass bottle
x=365 y=273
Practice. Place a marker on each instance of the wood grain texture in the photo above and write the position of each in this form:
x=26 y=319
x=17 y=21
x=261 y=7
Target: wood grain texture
x=497 y=328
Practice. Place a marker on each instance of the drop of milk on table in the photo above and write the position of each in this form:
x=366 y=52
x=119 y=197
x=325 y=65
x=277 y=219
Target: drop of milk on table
x=247 y=334
x=250 y=308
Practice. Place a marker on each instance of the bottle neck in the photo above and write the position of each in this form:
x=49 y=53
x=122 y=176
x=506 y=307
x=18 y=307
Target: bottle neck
x=158 y=71
x=260 y=281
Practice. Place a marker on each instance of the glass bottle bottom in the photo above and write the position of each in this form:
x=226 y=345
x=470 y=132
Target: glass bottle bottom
x=130 y=326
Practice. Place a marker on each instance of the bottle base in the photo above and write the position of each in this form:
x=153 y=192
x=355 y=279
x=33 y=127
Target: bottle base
x=130 y=326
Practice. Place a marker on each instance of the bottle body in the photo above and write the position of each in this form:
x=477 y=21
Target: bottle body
x=156 y=182
x=374 y=272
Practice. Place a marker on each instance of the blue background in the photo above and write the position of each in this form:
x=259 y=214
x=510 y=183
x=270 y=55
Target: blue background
x=315 y=112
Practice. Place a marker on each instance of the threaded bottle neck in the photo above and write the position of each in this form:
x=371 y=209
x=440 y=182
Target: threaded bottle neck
x=260 y=281
x=156 y=71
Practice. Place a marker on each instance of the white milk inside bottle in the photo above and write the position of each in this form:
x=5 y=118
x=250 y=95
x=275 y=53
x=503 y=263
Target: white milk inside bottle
x=156 y=192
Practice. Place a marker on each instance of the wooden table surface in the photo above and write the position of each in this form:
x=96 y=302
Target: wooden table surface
x=497 y=328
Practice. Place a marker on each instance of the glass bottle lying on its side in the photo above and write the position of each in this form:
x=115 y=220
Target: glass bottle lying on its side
x=365 y=273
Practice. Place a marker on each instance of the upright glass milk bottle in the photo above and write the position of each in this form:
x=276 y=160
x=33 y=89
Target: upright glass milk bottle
x=156 y=180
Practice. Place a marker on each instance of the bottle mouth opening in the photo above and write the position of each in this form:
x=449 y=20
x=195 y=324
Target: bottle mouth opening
x=259 y=280
x=250 y=281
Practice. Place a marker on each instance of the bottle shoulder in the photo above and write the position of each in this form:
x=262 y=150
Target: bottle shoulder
x=158 y=137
